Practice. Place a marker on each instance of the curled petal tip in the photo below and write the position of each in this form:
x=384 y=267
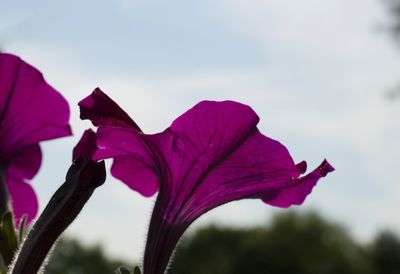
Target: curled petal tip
x=324 y=168
x=302 y=167
x=102 y=110
x=86 y=146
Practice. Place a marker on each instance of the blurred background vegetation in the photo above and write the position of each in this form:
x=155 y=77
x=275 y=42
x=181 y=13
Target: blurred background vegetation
x=291 y=243
x=394 y=28
x=71 y=257
x=394 y=9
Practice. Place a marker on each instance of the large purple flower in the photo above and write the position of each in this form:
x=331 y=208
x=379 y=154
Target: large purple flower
x=30 y=111
x=210 y=155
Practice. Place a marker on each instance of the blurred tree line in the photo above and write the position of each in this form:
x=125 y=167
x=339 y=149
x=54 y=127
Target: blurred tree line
x=394 y=9
x=71 y=257
x=394 y=25
x=292 y=243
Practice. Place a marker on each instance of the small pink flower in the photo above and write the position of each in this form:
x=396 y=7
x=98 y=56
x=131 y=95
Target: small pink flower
x=210 y=155
x=30 y=111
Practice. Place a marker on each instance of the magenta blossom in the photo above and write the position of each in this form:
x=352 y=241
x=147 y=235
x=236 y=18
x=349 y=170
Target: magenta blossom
x=210 y=155
x=86 y=146
x=30 y=111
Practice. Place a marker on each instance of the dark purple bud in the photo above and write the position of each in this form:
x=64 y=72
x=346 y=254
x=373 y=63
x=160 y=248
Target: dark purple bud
x=83 y=177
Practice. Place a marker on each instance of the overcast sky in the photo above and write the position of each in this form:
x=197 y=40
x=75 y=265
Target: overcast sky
x=316 y=72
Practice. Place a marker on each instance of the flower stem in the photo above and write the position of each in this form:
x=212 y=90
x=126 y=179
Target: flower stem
x=82 y=179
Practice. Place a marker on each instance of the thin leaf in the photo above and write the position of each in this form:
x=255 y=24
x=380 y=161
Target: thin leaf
x=9 y=232
x=22 y=229
x=8 y=238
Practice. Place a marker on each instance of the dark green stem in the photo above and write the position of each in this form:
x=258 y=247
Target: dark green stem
x=83 y=178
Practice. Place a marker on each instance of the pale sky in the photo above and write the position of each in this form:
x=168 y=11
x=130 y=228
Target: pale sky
x=316 y=72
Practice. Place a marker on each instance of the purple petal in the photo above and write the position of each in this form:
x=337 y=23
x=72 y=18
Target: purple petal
x=25 y=163
x=24 y=201
x=24 y=166
x=31 y=110
x=101 y=110
x=257 y=166
x=86 y=146
x=215 y=161
x=215 y=155
x=302 y=187
x=201 y=139
x=133 y=159
x=120 y=138
x=135 y=174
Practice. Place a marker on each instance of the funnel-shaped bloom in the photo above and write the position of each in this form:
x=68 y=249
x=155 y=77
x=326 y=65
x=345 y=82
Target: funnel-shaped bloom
x=211 y=155
x=30 y=111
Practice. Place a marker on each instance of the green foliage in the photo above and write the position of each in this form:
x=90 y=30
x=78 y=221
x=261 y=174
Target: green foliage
x=394 y=12
x=394 y=9
x=10 y=239
x=301 y=244
x=386 y=253
x=70 y=257
x=124 y=270
x=290 y=244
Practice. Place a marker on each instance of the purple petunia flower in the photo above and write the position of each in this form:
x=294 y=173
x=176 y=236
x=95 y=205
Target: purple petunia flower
x=30 y=111
x=210 y=155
